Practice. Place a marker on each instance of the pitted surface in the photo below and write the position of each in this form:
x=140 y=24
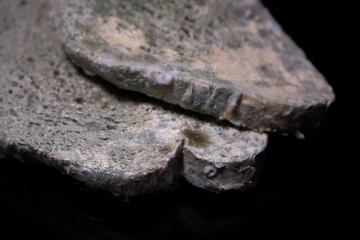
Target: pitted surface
x=120 y=141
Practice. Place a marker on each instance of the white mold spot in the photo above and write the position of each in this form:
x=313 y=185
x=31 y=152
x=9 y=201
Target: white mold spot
x=210 y=171
x=158 y=75
x=219 y=165
x=89 y=72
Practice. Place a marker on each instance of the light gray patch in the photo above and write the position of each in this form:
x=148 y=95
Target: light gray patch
x=210 y=171
x=158 y=75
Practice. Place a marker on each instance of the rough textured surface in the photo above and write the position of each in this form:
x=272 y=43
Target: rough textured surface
x=228 y=59
x=110 y=139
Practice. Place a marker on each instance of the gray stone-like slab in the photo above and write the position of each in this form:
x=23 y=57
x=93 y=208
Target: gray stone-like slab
x=110 y=139
x=228 y=59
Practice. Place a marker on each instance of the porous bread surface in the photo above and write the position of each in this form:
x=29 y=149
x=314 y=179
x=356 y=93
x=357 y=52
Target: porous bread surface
x=110 y=139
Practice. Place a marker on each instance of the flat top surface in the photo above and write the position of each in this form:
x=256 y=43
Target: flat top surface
x=236 y=43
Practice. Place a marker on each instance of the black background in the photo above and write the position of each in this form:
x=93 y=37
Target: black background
x=308 y=189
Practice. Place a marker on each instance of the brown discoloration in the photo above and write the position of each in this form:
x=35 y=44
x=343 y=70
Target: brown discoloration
x=197 y=138
x=127 y=37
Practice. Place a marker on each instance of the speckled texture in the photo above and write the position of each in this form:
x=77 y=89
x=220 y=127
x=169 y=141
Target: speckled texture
x=224 y=58
x=110 y=139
